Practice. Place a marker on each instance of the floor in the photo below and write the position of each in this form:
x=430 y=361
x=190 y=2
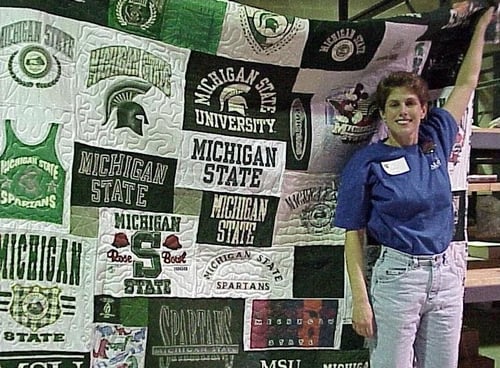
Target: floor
x=485 y=317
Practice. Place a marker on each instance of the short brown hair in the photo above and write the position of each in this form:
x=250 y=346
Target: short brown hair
x=410 y=80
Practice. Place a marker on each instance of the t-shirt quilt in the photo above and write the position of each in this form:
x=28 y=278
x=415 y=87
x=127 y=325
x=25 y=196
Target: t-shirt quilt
x=169 y=174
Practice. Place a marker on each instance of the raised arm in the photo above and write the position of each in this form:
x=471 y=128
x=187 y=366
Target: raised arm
x=468 y=74
x=362 y=314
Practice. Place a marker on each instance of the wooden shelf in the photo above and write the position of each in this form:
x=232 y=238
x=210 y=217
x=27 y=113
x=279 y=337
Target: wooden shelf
x=485 y=138
x=483 y=187
x=482 y=285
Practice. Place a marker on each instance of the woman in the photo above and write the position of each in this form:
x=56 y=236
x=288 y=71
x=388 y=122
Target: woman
x=398 y=191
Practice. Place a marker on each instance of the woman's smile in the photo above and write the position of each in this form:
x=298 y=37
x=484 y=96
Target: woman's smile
x=402 y=113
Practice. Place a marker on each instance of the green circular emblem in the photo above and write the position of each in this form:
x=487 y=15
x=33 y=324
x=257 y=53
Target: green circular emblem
x=136 y=13
x=35 y=305
x=35 y=62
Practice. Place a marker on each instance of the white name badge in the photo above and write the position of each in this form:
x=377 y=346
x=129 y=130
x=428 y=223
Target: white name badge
x=396 y=167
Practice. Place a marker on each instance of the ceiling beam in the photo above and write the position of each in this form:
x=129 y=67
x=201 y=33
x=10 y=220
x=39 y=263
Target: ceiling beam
x=376 y=9
x=343 y=9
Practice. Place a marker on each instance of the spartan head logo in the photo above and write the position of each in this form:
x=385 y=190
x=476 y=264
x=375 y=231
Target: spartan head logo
x=232 y=100
x=33 y=66
x=136 y=13
x=129 y=114
x=269 y=25
x=35 y=307
x=269 y=31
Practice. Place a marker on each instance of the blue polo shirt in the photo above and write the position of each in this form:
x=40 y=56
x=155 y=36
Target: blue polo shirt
x=402 y=195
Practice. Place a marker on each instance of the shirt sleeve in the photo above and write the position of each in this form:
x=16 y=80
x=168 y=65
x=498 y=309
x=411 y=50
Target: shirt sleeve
x=353 y=197
x=441 y=124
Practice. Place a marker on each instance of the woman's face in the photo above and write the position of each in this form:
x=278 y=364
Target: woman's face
x=402 y=114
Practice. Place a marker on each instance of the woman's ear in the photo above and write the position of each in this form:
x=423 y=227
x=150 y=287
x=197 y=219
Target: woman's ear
x=381 y=113
x=424 y=111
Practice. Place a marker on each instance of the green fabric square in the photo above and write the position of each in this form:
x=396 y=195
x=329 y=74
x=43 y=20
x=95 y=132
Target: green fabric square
x=193 y=24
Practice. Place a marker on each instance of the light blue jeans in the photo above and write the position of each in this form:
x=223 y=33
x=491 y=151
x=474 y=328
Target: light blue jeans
x=418 y=303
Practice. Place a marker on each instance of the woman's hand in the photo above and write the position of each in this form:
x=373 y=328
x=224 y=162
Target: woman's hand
x=468 y=75
x=362 y=319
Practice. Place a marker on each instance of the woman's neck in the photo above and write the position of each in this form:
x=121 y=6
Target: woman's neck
x=401 y=142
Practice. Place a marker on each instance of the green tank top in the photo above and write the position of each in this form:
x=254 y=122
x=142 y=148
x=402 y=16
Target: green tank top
x=32 y=180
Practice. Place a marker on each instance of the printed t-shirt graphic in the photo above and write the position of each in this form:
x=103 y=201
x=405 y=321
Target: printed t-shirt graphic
x=292 y=324
x=194 y=332
x=250 y=33
x=143 y=18
x=341 y=123
x=342 y=46
x=46 y=289
x=236 y=220
x=110 y=178
x=339 y=53
x=237 y=98
x=145 y=254
x=343 y=113
x=306 y=210
x=248 y=100
x=299 y=142
x=45 y=359
x=130 y=93
x=38 y=56
x=32 y=179
x=117 y=345
x=351 y=358
x=230 y=164
x=244 y=272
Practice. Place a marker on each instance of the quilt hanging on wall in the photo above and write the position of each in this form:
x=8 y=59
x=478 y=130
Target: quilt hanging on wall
x=169 y=174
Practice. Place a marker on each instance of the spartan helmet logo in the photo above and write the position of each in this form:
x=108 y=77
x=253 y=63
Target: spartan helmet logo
x=129 y=114
x=268 y=32
x=231 y=98
x=270 y=25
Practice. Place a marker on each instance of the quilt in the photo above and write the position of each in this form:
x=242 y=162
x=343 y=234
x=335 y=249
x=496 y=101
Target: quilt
x=169 y=175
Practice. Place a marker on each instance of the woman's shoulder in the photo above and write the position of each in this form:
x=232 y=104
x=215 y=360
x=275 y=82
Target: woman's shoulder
x=439 y=113
x=439 y=119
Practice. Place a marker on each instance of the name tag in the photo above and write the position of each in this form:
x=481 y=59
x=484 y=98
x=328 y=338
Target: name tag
x=396 y=167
